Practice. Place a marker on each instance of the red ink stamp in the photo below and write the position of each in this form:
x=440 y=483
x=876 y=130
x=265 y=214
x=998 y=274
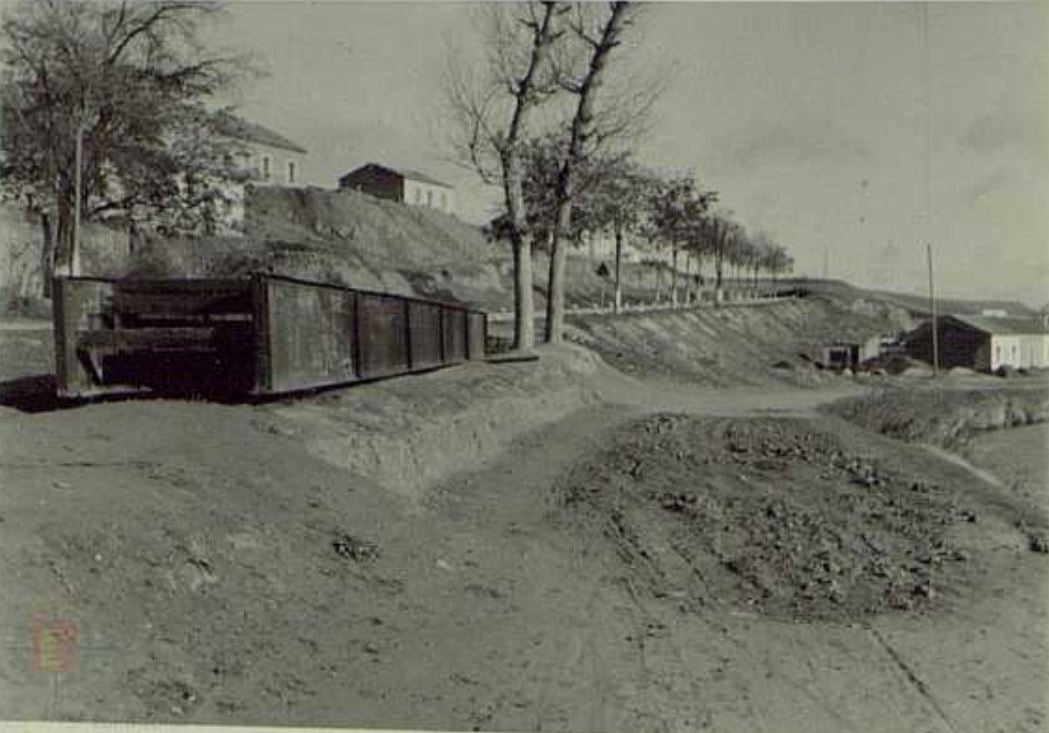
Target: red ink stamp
x=53 y=642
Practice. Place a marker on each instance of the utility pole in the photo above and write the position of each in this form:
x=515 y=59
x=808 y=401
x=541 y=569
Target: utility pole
x=74 y=255
x=932 y=308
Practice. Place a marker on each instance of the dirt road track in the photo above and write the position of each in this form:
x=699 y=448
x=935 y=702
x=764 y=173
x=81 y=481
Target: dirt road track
x=219 y=599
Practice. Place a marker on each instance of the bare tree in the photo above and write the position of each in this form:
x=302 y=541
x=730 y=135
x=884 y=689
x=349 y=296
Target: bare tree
x=591 y=127
x=491 y=106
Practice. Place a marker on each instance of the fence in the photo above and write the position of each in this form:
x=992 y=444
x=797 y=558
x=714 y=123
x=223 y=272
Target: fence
x=731 y=299
x=263 y=335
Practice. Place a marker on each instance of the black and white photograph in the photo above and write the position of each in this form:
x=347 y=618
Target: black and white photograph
x=590 y=367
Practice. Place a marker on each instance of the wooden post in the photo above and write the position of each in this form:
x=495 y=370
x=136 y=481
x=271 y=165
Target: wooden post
x=74 y=256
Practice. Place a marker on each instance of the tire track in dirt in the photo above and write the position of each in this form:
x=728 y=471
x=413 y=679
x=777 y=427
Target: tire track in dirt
x=911 y=676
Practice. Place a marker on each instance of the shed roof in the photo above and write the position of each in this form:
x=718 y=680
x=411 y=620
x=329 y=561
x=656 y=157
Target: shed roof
x=402 y=172
x=1002 y=326
x=241 y=129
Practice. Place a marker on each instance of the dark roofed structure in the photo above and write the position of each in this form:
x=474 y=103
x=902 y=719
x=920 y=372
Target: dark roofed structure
x=985 y=343
x=374 y=170
x=402 y=185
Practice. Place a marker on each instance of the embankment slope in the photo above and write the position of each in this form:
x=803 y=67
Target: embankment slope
x=727 y=346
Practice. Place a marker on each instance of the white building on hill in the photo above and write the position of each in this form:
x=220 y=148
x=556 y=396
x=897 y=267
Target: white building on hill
x=267 y=157
x=260 y=156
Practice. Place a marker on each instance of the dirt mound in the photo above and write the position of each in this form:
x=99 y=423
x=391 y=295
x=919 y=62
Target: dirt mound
x=777 y=516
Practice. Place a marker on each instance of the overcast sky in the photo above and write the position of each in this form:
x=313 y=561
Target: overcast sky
x=853 y=129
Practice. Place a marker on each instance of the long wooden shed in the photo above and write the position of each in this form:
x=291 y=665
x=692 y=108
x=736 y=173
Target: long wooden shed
x=261 y=335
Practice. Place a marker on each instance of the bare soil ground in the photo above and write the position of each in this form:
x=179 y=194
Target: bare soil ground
x=471 y=549
x=1017 y=458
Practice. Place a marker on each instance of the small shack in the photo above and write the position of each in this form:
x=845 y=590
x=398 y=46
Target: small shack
x=983 y=343
x=849 y=354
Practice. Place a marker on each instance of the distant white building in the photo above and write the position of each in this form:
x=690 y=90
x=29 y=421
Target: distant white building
x=408 y=187
x=266 y=157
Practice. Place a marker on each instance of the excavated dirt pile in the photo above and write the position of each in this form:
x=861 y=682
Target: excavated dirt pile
x=774 y=515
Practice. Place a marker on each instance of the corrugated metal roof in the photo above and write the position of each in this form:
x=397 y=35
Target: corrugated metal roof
x=234 y=126
x=1002 y=326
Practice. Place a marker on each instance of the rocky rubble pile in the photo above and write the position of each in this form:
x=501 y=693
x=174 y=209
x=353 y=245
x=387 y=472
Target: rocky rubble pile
x=774 y=515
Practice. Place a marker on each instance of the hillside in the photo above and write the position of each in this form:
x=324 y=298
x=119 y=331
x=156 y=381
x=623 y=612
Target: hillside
x=916 y=306
x=754 y=345
x=351 y=239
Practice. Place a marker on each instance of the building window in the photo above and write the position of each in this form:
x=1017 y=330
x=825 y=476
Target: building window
x=444 y=200
x=429 y=198
x=267 y=163
x=291 y=171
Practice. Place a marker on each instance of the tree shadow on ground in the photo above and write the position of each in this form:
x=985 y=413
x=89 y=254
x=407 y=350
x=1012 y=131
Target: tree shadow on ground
x=39 y=393
x=35 y=393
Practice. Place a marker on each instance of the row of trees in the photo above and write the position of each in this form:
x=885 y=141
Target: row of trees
x=572 y=171
x=619 y=198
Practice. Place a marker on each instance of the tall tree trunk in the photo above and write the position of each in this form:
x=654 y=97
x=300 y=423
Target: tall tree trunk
x=555 y=293
x=582 y=129
x=47 y=253
x=617 y=297
x=513 y=175
x=63 y=253
x=699 y=276
x=524 y=300
x=688 y=276
x=673 y=275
